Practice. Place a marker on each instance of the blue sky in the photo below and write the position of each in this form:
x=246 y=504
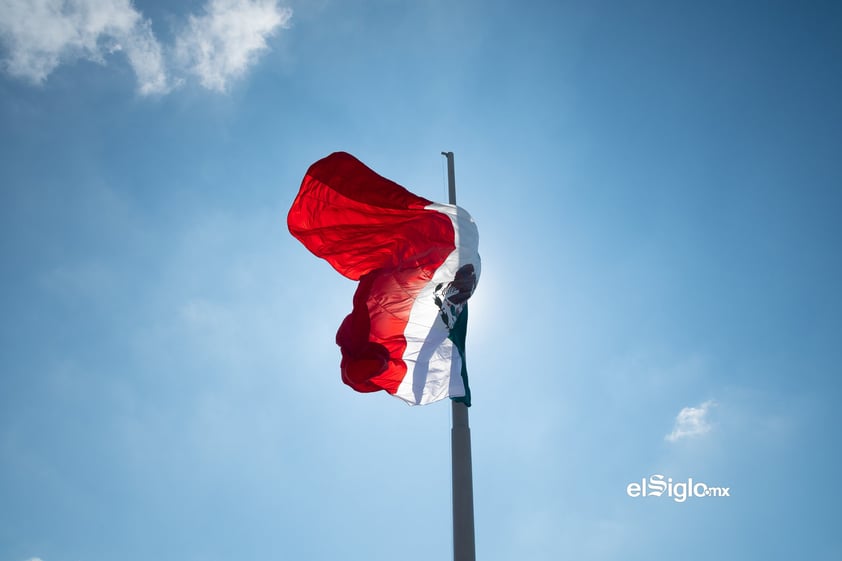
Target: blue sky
x=658 y=188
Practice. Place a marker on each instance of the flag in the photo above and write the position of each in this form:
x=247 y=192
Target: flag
x=417 y=263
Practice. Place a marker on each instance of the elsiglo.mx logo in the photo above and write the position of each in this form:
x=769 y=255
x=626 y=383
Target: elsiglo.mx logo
x=657 y=486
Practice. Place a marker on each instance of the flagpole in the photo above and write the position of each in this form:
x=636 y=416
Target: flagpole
x=460 y=448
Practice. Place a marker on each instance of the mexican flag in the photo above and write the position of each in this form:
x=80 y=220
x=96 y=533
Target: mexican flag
x=417 y=263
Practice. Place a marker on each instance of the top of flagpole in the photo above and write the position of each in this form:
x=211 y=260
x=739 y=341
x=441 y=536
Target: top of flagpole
x=451 y=178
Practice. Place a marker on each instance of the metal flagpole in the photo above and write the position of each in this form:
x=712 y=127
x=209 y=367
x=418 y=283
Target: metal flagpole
x=460 y=449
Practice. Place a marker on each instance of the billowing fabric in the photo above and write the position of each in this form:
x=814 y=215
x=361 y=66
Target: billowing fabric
x=417 y=263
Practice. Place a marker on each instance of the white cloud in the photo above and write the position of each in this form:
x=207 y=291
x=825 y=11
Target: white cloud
x=691 y=421
x=217 y=46
x=41 y=34
x=224 y=41
x=145 y=56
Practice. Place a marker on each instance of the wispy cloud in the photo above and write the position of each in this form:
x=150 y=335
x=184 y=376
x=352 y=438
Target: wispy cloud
x=42 y=34
x=216 y=46
x=224 y=41
x=691 y=421
x=145 y=56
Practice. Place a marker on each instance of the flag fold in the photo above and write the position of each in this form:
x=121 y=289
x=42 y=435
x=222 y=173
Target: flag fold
x=417 y=263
